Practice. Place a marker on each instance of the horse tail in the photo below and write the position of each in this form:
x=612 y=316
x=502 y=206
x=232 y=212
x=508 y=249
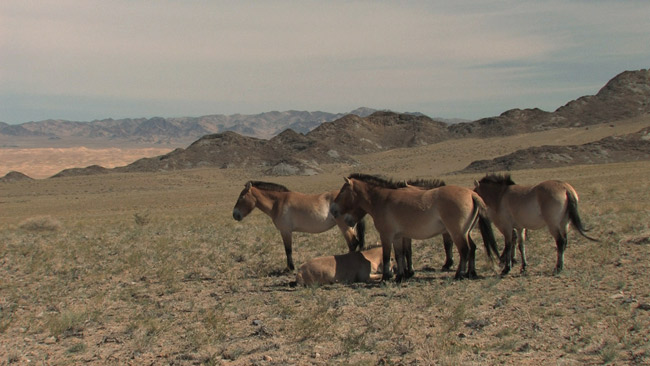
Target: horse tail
x=485 y=226
x=361 y=234
x=572 y=208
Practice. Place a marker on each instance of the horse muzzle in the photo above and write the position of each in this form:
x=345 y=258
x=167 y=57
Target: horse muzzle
x=237 y=215
x=334 y=210
x=349 y=220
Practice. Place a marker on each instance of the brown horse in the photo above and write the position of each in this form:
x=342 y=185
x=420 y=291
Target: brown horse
x=446 y=239
x=294 y=211
x=515 y=208
x=415 y=214
x=364 y=266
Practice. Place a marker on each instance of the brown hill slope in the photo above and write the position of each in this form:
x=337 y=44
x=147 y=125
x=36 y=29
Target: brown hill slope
x=14 y=176
x=630 y=147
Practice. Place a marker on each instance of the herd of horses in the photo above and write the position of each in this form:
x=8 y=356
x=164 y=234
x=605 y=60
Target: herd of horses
x=415 y=209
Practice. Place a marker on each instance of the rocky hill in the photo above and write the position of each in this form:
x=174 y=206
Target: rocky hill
x=14 y=177
x=630 y=147
x=625 y=96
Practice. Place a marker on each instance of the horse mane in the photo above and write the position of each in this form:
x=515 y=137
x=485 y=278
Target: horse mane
x=391 y=184
x=377 y=181
x=268 y=186
x=426 y=183
x=503 y=179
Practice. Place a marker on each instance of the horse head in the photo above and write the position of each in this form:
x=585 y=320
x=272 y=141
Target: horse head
x=245 y=203
x=345 y=204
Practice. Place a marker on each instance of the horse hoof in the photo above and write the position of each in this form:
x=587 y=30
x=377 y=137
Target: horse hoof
x=472 y=275
x=505 y=271
x=447 y=267
x=409 y=274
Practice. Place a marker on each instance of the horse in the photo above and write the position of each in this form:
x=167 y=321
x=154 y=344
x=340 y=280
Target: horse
x=446 y=239
x=363 y=266
x=415 y=214
x=295 y=212
x=514 y=208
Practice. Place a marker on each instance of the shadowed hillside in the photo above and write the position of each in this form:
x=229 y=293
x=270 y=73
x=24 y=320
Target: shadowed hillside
x=612 y=149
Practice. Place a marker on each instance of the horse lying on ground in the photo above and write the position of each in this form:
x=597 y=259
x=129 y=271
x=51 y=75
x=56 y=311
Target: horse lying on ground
x=364 y=266
x=417 y=214
x=294 y=211
x=515 y=208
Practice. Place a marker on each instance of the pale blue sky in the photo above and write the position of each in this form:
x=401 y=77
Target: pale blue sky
x=94 y=59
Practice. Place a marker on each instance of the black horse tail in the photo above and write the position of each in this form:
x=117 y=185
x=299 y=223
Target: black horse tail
x=485 y=226
x=490 y=242
x=572 y=208
x=360 y=229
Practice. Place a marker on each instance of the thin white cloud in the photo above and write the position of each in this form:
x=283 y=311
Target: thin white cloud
x=195 y=57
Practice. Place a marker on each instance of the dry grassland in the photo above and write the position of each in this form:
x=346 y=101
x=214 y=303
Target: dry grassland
x=149 y=269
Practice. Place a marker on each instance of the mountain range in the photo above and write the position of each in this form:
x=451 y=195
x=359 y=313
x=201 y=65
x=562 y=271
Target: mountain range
x=173 y=132
x=291 y=152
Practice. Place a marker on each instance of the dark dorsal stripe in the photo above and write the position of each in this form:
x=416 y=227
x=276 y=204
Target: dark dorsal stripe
x=503 y=179
x=268 y=186
x=377 y=181
x=426 y=183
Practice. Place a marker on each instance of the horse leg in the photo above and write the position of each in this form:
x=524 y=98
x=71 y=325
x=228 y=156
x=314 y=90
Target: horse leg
x=506 y=257
x=561 y=242
x=386 y=246
x=398 y=247
x=521 y=239
x=513 y=258
x=449 y=259
x=463 y=251
x=471 y=271
x=286 y=239
x=408 y=253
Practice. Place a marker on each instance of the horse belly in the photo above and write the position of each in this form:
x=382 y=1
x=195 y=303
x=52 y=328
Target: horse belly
x=530 y=217
x=422 y=227
x=313 y=221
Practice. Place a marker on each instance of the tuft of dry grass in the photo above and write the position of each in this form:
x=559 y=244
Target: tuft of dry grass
x=40 y=224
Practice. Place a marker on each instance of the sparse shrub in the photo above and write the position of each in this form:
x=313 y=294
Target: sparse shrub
x=142 y=218
x=77 y=348
x=40 y=224
x=66 y=323
x=608 y=351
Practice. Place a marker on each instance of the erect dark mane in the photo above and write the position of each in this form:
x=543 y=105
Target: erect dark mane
x=268 y=186
x=503 y=179
x=377 y=181
x=426 y=183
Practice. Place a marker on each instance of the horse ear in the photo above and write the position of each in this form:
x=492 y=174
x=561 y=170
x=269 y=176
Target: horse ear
x=248 y=184
x=475 y=183
x=347 y=180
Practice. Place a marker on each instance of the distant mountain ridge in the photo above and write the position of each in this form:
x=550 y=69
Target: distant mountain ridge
x=289 y=153
x=177 y=131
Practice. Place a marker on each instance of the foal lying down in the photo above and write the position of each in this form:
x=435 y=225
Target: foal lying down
x=364 y=266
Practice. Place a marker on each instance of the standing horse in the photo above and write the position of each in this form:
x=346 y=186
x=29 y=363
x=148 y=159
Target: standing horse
x=415 y=214
x=515 y=208
x=294 y=211
x=446 y=239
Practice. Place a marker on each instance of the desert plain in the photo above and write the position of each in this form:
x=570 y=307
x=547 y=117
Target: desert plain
x=151 y=269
